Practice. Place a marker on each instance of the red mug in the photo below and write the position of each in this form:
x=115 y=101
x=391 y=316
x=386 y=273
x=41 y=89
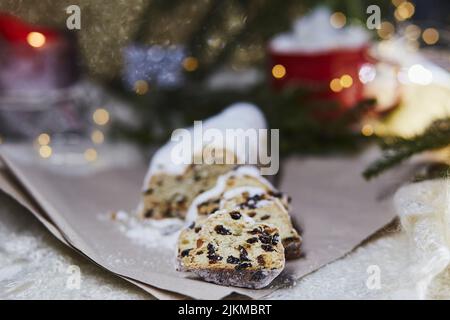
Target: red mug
x=317 y=70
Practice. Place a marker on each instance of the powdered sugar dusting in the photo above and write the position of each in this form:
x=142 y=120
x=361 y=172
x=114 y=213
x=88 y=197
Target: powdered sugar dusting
x=151 y=233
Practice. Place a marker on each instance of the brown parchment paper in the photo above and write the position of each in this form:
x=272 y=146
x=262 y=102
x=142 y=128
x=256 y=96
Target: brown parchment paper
x=334 y=206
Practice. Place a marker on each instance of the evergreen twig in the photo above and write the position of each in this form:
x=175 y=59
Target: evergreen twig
x=396 y=149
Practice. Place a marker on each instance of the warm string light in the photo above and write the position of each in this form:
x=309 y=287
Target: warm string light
x=101 y=116
x=430 y=36
x=386 y=30
x=190 y=64
x=412 y=32
x=367 y=130
x=278 y=71
x=404 y=11
x=344 y=82
x=141 y=87
x=97 y=137
x=36 y=39
x=45 y=151
x=338 y=20
x=43 y=139
x=90 y=155
x=335 y=85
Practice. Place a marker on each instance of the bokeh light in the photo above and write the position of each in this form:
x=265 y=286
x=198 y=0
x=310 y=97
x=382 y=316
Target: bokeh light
x=404 y=11
x=190 y=64
x=412 y=32
x=430 y=36
x=43 y=139
x=346 y=81
x=367 y=130
x=367 y=73
x=90 y=154
x=420 y=75
x=338 y=20
x=278 y=71
x=36 y=39
x=335 y=85
x=45 y=151
x=141 y=87
x=101 y=116
x=386 y=30
x=97 y=137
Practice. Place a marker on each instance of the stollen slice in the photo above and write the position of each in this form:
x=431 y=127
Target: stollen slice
x=233 y=250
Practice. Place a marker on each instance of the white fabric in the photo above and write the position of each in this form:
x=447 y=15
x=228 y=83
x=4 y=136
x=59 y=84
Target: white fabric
x=413 y=261
x=424 y=209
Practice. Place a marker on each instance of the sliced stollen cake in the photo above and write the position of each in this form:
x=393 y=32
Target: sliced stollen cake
x=250 y=195
x=234 y=250
x=172 y=183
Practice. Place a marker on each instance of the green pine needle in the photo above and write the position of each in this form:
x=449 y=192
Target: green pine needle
x=396 y=149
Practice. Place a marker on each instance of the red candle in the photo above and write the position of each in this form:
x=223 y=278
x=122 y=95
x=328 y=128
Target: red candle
x=34 y=58
x=14 y=30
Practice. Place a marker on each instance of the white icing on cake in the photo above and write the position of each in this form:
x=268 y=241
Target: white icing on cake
x=238 y=116
x=220 y=187
x=252 y=191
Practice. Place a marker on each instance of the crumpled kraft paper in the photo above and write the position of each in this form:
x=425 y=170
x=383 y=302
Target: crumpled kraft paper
x=334 y=206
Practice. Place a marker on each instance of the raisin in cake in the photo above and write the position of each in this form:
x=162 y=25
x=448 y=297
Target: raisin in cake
x=171 y=184
x=234 y=250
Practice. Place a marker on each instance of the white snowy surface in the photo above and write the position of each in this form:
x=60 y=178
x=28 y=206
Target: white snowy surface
x=35 y=265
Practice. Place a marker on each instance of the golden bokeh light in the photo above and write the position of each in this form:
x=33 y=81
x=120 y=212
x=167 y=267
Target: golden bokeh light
x=90 y=154
x=190 y=64
x=43 y=139
x=97 y=137
x=397 y=2
x=346 y=81
x=404 y=11
x=36 y=39
x=278 y=71
x=412 y=32
x=335 y=85
x=430 y=36
x=45 y=151
x=367 y=130
x=386 y=30
x=141 y=87
x=101 y=116
x=338 y=20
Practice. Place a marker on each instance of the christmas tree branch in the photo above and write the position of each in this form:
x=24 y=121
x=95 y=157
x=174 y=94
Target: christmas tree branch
x=396 y=150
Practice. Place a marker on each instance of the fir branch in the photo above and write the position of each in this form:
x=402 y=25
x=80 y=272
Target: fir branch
x=396 y=150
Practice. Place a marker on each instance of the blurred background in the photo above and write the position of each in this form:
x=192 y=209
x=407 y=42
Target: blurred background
x=332 y=75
